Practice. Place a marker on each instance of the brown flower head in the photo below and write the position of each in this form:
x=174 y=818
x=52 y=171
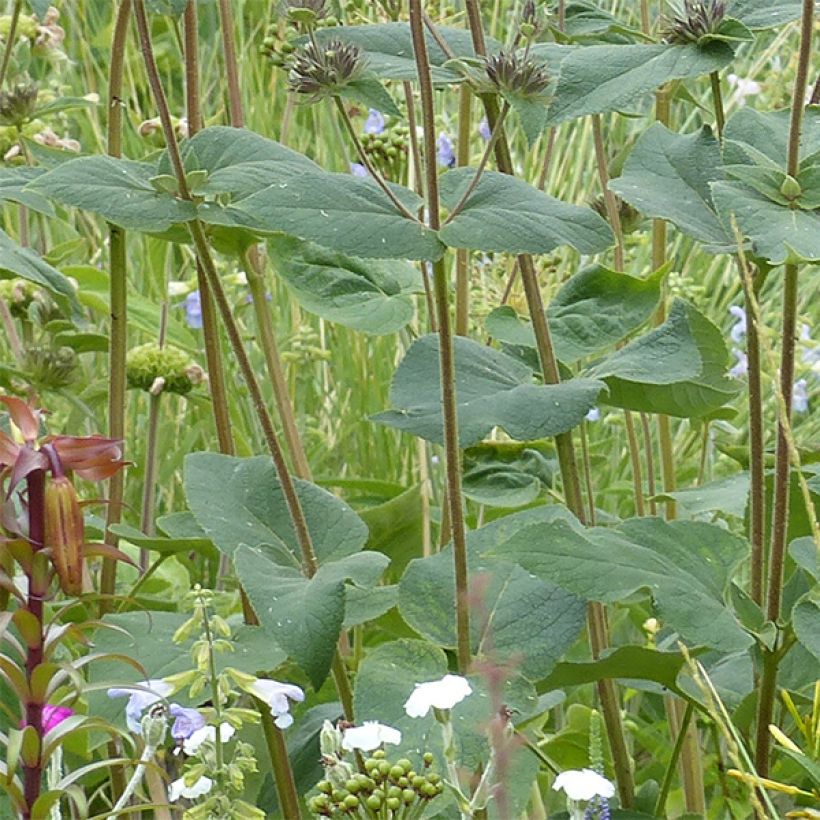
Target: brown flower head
x=517 y=75
x=700 y=17
x=322 y=70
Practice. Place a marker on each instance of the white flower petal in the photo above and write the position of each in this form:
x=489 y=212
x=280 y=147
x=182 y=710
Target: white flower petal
x=207 y=733
x=370 y=735
x=583 y=784
x=438 y=694
x=199 y=787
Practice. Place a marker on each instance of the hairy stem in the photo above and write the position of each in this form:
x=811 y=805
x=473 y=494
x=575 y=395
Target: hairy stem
x=782 y=471
x=717 y=97
x=446 y=349
x=660 y=805
x=11 y=37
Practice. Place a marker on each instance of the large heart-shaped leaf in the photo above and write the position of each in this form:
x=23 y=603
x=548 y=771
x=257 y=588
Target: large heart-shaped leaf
x=25 y=263
x=388 y=48
x=595 y=309
x=685 y=565
x=515 y=617
x=678 y=369
x=667 y=175
x=12 y=189
x=119 y=190
x=367 y=295
x=600 y=78
x=492 y=389
x=504 y=213
x=240 y=501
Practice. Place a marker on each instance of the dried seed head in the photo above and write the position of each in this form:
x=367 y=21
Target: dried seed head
x=323 y=70
x=700 y=17
x=17 y=105
x=522 y=77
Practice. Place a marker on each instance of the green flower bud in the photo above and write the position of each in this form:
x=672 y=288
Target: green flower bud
x=330 y=739
x=393 y=803
x=408 y=796
x=351 y=802
x=791 y=188
x=154 y=724
x=148 y=363
x=374 y=802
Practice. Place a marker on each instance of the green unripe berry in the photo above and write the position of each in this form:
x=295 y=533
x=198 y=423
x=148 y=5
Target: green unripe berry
x=378 y=754
x=393 y=803
x=337 y=795
x=353 y=786
x=418 y=782
x=429 y=790
x=433 y=778
x=351 y=802
x=408 y=795
x=384 y=768
x=370 y=764
x=324 y=786
x=396 y=772
x=394 y=791
x=373 y=802
x=428 y=758
x=402 y=782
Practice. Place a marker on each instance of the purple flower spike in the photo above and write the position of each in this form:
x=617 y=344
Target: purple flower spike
x=738 y=330
x=357 y=169
x=187 y=721
x=193 y=310
x=374 y=123
x=485 y=130
x=446 y=152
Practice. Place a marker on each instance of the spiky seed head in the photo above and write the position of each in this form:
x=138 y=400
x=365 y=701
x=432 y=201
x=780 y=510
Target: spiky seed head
x=17 y=105
x=700 y=17
x=323 y=70
x=522 y=77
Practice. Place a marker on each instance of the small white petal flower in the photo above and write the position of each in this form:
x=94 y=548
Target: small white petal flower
x=276 y=695
x=594 y=414
x=140 y=699
x=199 y=787
x=583 y=784
x=437 y=694
x=177 y=288
x=207 y=733
x=370 y=735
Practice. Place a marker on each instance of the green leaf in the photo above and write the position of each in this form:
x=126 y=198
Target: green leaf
x=372 y=296
x=338 y=211
x=12 y=189
x=240 y=501
x=767 y=133
x=165 y=546
x=685 y=565
x=760 y=14
x=25 y=263
x=516 y=618
x=677 y=369
x=492 y=389
x=170 y=8
x=779 y=234
x=388 y=48
x=119 y=190
x=804 y=553
x=303 y=615
x=40 y=7
x=368 y=91
x=806 y=622
x=504 y=213
x=599 y=78
x=667 y=176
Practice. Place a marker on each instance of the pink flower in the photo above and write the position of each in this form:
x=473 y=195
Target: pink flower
x=52 y=716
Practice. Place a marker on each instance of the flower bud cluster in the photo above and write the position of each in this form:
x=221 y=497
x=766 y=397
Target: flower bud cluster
x=18 y=104
x=385 y=789
x=388 y=150
x=147 y=364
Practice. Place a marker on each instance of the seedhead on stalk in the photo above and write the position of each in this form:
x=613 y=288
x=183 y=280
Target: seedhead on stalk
x=515 y=75
x=700 y=17
x=17 y=105
x=323 y=70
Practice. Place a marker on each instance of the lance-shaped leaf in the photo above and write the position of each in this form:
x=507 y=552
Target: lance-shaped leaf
x=240 y=501
x=12 y=189
x=304 y=616
x=119 y=190
x=516 y=617
x=667 y=176
x=751 y=134
x=685 y=566
x=492 y=389
x=600 y=78
x=368 y=295
x=761 y=14
x=338 y=211
x=678 y=369
x=507 y=214
x=388 y=48
x=594 y=310
x=25 y=263
x=806 y=622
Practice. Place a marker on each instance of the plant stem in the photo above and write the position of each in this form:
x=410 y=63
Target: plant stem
x=371 y=169
x=446 y=349
x=570 y=478
x=150 y=477
x=660 y=805
x=782 y=471
x=717 y=97
x=650 y=463
x=465 y=99
x=37 y=590
x=231 y=65
x=118 y=330
x=282 y=771
x=15 y=18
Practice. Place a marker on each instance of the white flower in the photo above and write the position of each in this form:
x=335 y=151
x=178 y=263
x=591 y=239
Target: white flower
x=177 y=288
x=370 y=735
x=438 y=694
x=583 y=784
x=593 y=415
x=741 y=368
x=199 y=787
x=207 y=733
x=276 y=695
x=800 y=396
x=743 y=87
x=139 y=700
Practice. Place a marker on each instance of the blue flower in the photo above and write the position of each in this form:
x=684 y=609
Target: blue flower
x=593 y=415
x=738 y=330
x=446 y=154
x=149 y=693
x=193 y=310
x=800 y=396
x=187 y=721
x=485 y=130
x=374 y=123
x=741 y=368
x=357 y=169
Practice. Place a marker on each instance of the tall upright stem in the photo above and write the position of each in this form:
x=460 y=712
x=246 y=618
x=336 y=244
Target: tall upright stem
x=446 y=349
x=237 y=115
x=118 y=301
x=10 y=38
x=465 y=100
x=782 y=471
